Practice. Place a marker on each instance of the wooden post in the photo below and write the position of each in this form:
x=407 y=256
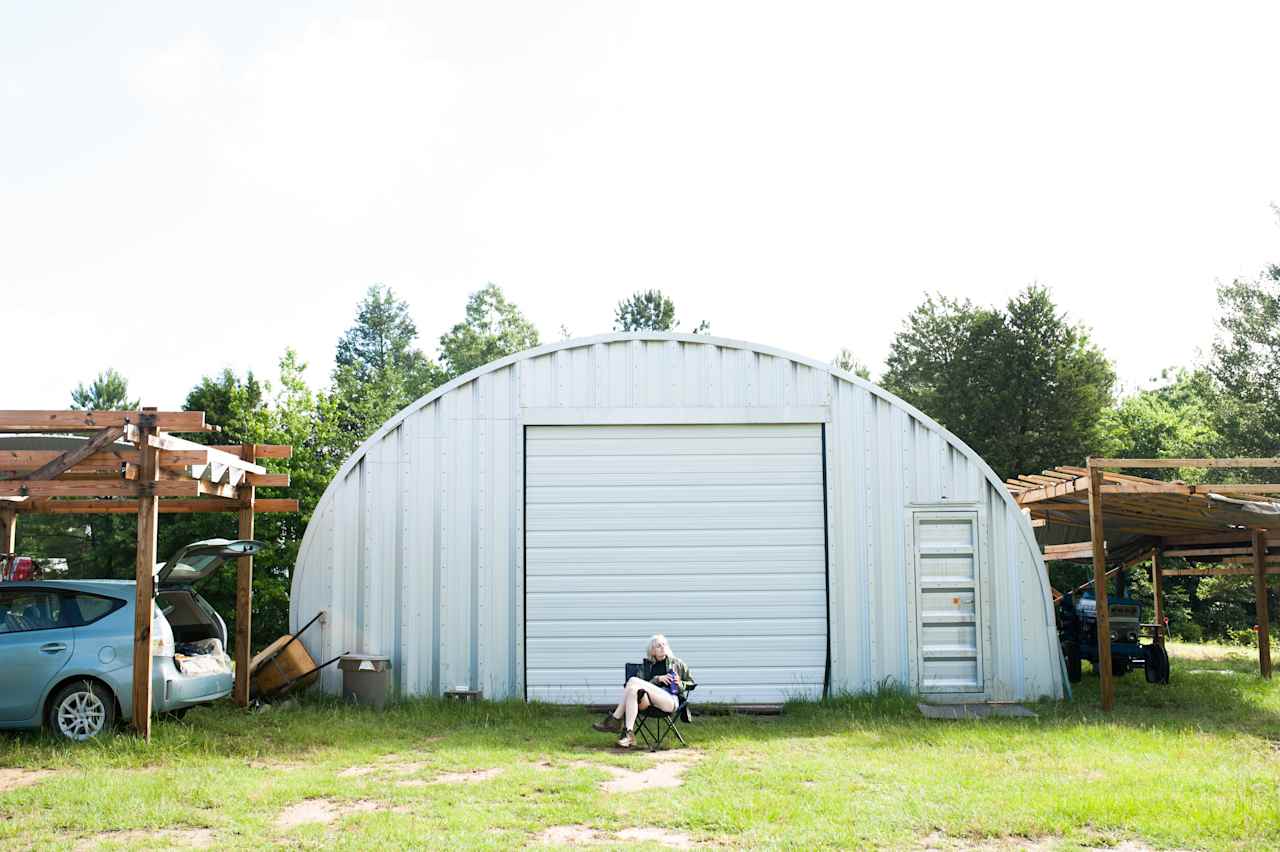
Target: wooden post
x=1100 y=588
x=1260 y=597
x=1157 y=590
x=244 y=591
x=148 y=521
x=8 y=532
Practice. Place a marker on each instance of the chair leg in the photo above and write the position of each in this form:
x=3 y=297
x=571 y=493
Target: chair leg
x=676 y=731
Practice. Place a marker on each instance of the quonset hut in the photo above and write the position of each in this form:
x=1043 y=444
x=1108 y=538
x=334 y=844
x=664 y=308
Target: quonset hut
x=794 y=530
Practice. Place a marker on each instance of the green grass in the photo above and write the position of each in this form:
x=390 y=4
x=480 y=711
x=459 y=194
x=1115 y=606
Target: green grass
x=1192 y=765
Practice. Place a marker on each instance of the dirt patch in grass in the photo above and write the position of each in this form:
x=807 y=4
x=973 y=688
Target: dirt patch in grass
x=14 y=779
x=668 y=771
x=321 y=811
x=466 y=777
x=661 y=836
x=189 y=838
x=581 y=835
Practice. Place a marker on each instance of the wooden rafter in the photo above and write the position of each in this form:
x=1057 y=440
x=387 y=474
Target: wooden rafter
x=87 y=421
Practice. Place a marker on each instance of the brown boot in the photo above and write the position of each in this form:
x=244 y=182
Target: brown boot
x=608 y=725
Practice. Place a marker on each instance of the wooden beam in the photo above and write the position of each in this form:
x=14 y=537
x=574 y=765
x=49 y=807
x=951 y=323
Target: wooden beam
x=268 y=480
x=260 y=451
x=71 y=458
x=244 y=595
x=1235 y=488
x=113 y=506
x=86 y=421
x=275 y=504
x=144 y=568
x=1260 y=602
x=8 y=531
x=100 y=488
x=1200 y=463
x=1096 y=534
x=1075 y=550
x=106 y=460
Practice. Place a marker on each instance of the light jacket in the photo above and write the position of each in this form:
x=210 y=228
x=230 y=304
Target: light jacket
x=653 y=669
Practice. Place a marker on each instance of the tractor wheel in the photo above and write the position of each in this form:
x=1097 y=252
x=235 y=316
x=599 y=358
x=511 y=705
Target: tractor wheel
x=1074 y=672
x=1157 y=664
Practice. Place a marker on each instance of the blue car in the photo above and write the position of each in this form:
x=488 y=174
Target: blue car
x=66 y=646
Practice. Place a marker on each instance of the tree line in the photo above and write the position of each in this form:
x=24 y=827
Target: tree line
x=1023 y=384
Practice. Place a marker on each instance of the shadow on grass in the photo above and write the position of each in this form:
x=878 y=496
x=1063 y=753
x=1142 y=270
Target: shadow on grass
x=1219 y=695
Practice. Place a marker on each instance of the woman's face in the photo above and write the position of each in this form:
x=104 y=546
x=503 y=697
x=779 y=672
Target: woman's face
x=659 y=650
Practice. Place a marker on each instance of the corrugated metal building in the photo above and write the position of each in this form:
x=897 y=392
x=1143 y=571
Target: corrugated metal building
x=793 y=530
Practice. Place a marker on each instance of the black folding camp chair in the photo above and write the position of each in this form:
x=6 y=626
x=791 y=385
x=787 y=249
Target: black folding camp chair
x=663 y=724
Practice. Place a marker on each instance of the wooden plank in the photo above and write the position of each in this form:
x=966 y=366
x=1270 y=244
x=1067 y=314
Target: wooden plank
x=1260 y=602
x=8 y=531
x=1198 y=463
x=144 y=566
x=84 y=421
x=213 y=456
x=1075 y=550
x=113 y=506
x=260 y=451
x=1096 y=535
x=275 y=504
x=1049 y=492
x=244 y=596
x=268 y=480
x=97 y=488
x=1191 y=552
x=71 y=458
x=1236 y=488
x=1217 y=572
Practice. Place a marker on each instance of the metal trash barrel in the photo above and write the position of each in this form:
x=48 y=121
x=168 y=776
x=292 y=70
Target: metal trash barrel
x=366 y=679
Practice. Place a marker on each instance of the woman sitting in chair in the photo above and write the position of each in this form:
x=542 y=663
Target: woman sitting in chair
x=654 y=688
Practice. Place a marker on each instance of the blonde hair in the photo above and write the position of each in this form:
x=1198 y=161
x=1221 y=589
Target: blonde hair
x=657 y=639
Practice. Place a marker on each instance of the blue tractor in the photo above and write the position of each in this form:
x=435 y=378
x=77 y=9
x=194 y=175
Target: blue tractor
x=1078 y=633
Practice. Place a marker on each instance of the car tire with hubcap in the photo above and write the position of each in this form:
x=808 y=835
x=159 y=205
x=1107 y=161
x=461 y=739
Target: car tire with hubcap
x=82 y=710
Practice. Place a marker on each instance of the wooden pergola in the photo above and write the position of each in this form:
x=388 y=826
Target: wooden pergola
x=132 y=462
x=1223 y=529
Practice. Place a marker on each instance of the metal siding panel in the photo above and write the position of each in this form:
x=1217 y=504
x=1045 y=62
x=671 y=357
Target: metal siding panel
x=592 y=562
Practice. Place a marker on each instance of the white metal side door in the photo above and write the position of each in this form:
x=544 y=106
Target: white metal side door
x=948 y=611
x=711 y=534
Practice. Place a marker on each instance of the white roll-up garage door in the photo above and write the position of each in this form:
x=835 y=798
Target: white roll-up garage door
x=711 y=534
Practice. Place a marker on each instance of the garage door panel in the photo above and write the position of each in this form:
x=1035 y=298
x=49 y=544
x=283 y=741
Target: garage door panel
x=778 y=537
x=633 y=556
x=702 y=582
x=683 y=515
x=684 y=628
x=671 y=493
x=714 y=535
x=680 y=445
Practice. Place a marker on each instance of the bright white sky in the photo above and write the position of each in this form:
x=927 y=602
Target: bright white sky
x=187 y=187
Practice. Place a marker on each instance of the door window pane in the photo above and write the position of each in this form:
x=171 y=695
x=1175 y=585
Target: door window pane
x=29 y=609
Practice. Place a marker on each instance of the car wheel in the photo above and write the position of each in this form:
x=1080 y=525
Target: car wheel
x=1157 y=664
x=82 y=710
